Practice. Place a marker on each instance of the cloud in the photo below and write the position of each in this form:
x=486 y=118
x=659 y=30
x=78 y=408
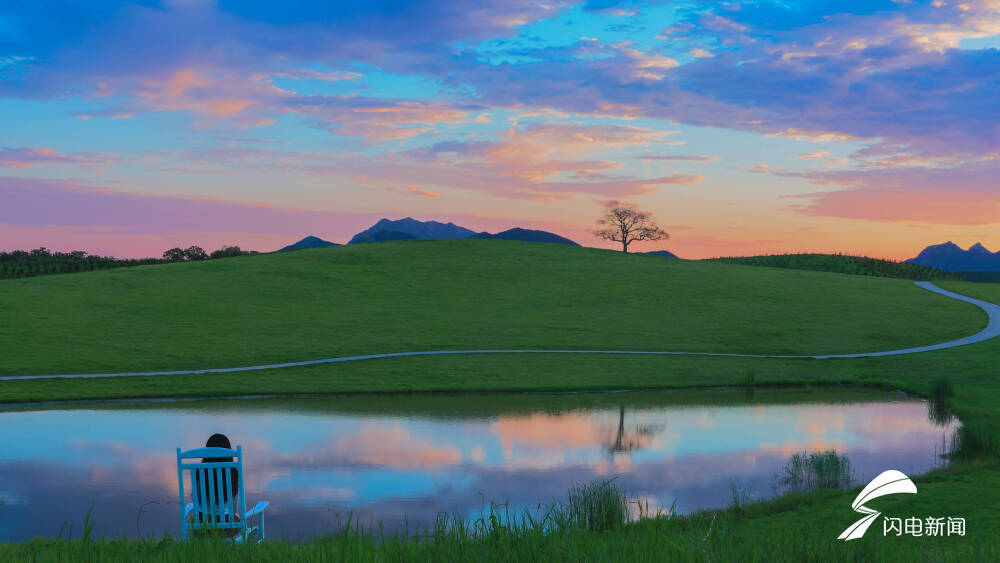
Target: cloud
x=417 y=191
x=817 y=154
x=375 y=119
x=26 y=157
x=967 y=194
x=536 y=161
x=689 y=157
x=70 y=45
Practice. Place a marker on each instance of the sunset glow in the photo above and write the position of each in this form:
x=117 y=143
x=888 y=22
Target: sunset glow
x=864 y=127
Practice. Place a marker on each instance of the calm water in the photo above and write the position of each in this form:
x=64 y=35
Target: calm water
x=317 y=459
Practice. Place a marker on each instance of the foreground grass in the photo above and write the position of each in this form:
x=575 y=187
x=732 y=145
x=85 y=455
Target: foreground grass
x=796 y=527
x=451 y=294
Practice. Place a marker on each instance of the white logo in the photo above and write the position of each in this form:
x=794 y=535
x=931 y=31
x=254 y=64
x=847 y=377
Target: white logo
x=887 y=483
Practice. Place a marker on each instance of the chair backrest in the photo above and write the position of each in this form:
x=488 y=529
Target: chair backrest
x=217 y=499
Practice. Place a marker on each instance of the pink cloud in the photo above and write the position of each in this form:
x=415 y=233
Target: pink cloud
x=966 y=194
x=817 y=154
x=25 y=157
x=537 y=161
x=681 y=157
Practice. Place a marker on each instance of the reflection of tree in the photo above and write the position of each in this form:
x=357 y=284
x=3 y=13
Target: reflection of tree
x=624 y=441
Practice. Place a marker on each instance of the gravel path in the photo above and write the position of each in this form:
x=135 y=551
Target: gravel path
x=992 y=330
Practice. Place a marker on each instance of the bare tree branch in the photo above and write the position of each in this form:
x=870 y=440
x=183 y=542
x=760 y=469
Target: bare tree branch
x=625 y=223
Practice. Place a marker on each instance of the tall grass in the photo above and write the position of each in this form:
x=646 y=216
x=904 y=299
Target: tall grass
x=741 y=496
x=815 y=471
x=974 y=439
x=939 y=406
x=942 y=389
x=597 y=506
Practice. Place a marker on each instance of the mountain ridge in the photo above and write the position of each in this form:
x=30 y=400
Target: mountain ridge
x=411 y=226
x=527 y=235
x=308 y=242
x=950 y=257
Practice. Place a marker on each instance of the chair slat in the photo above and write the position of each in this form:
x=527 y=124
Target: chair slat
x=229 y=497
x=200 y=504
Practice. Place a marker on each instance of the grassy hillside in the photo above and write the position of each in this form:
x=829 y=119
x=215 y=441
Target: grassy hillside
x=839 y=263
x=450 y=294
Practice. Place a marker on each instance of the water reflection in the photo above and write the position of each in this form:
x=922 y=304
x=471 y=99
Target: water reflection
x=319 y=460
x=625 y=442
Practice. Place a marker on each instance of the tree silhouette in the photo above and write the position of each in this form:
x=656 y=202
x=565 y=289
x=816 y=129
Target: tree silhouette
x=195 y=253
x=626 y=223
x=174 y=254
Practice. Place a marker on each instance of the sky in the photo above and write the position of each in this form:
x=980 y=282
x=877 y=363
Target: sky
x=857 y=126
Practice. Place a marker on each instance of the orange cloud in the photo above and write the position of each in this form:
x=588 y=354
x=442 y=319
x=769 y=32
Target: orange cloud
x=418 y=191
x=817 y=154
x=400 y=120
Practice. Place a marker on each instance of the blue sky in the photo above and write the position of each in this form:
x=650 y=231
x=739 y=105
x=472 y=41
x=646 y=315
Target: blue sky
x=866 y=127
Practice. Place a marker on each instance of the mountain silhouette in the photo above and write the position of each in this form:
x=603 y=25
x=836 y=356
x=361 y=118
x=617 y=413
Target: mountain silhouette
x=664 y=253
x=309 y=242
x=950 y=257
x=379 y=236
x=527 y=235
x=411 y=226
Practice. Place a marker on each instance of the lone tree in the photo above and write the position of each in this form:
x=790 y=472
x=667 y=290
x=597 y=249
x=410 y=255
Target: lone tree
x=174 y=254
x=195 y=253
x=625 y=223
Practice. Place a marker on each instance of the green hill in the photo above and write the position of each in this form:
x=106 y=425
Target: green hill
x=451 y=294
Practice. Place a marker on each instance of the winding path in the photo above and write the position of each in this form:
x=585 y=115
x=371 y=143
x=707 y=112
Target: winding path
x=992 y=330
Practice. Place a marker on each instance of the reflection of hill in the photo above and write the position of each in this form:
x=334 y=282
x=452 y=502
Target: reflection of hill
x=481 y=405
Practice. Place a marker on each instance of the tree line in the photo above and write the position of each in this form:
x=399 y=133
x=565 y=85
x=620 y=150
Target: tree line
x=42 y=261
x=844 y=264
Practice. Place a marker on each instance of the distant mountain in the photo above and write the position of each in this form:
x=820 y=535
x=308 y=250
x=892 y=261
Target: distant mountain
x=410 y=226
x=309 y=242
x=950 y=257
x=527 y=235
x=664 y=253
x=379 y=236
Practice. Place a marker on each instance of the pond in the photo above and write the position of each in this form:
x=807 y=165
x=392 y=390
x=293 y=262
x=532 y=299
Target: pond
x=401 y=460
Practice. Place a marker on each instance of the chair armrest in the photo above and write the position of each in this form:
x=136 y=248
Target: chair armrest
x=258 y=508
x=188 y=509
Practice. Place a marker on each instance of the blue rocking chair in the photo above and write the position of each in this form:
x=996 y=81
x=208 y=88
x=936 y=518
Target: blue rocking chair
x=213 y=505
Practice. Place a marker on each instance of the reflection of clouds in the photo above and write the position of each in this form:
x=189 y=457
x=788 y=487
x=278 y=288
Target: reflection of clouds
x=703 y=419
x=819 y=421
x=317 y=468
x=786 y=449
x=546 y=431
x=394 y=447
x=903 y=418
